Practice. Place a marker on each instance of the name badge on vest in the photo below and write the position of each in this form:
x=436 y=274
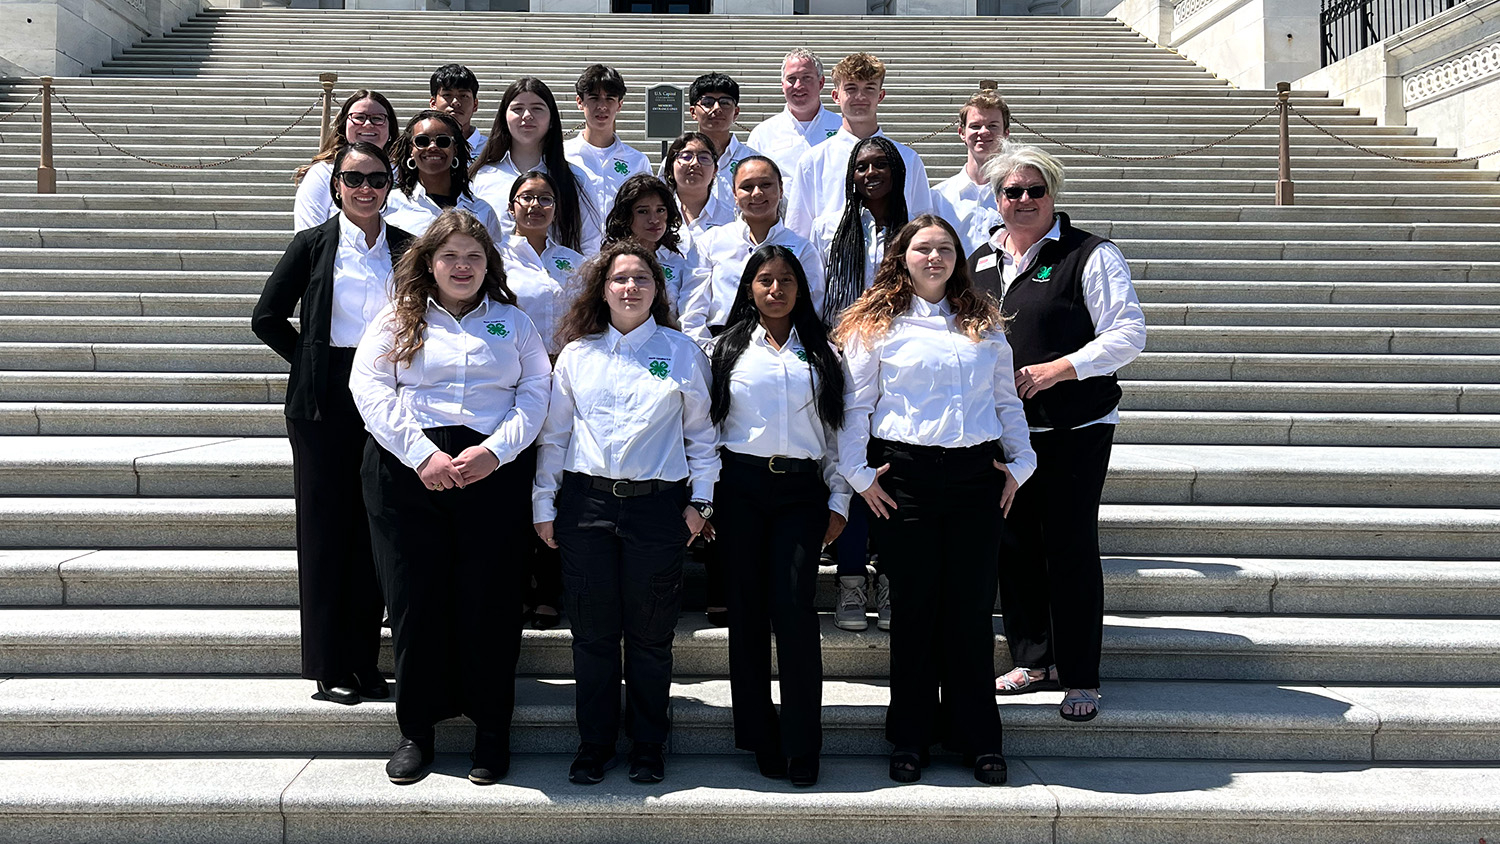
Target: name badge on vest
x=659 y=366
x=498 y=327
x=985 y=263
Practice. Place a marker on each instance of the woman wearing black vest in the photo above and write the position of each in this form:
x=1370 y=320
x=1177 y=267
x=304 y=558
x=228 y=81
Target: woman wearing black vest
x=340 y=271
x=1074 y=320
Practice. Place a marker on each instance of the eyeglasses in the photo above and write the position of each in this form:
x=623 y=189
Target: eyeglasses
x=637 y=280
x=361 y=118
x=1034 y=191
x=536 y=199
x=708 y=103
x=356 y=179
x=687 y=156
x=425 y=141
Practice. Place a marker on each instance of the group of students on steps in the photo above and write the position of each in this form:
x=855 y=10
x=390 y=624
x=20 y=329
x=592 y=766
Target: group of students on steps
x=530 y=375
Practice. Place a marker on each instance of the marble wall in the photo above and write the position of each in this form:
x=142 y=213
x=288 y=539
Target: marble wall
x=69 y=37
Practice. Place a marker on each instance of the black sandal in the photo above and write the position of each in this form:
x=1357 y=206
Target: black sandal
x=990 y=769
x=906 y=766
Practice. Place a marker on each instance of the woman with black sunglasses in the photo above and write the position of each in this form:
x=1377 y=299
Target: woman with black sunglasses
x=340 y=273
x=1073 y=319
x=432 y=174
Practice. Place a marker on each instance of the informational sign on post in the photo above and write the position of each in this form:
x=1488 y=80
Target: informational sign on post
x=663 y=112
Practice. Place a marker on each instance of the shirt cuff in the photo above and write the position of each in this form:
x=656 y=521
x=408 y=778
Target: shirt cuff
x=838 y=502
x=420 y=451
x=702 y=491
x=1083 y=365
x=543 y=510
x=861 y=479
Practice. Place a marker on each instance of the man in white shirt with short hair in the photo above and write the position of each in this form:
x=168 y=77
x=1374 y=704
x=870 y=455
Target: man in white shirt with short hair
x=598 y=150
x=966 y=199
x=804 y=123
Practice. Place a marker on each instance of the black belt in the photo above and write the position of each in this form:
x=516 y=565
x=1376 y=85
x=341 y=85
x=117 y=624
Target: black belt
x=777 y=465
x=626 y=489
x=991 y=448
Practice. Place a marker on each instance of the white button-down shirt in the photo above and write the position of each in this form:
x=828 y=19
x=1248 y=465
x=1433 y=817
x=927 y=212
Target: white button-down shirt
x=926 y=383
x=493 y=183
x=678 y=269
x=314 y=203
x=1109 y=296
x=416 y=212
x=361 y=283
x=773 y=411
x=729 y=161
x=720 y=257
x=718 y=211
x=818 y=188
x=822 y=241
x=477 y=140
x=784 y=139
x=486 y=371
x=631 y=407
x=970 y=207
x=608 y=166
x=543 y=284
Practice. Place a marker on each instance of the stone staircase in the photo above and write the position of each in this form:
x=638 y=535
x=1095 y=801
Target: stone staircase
x=1303 y=587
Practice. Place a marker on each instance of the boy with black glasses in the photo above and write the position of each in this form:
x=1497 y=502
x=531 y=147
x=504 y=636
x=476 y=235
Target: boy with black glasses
x=715 y=100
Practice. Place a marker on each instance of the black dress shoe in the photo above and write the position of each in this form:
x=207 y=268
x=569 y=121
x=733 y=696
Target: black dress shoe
x=491 y=758
x=343 y=692
x=802 y=771
x=771 y=763
x=590 y=763
x=410 y=761
x=647 y=765
x=372 y=686
x=718 y=618
x=545 y=621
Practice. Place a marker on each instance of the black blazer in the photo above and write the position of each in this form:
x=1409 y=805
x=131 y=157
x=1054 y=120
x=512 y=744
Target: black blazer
x=305 y=274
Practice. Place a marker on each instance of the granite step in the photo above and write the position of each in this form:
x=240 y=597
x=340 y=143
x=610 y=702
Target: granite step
x=1151 y=719
x=1280 y=648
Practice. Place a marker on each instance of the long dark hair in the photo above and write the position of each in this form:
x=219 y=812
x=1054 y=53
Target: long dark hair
x=828 y=376
x=678 y=146
x=589 y=313
x=407 y=175
x=844 y=274
x=638 y=187
x=568 y=221
x=337 y=140
x=414 y=283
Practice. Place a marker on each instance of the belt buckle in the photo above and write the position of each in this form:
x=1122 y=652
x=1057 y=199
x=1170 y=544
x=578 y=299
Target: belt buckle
x=615 y=489
x=771 y=465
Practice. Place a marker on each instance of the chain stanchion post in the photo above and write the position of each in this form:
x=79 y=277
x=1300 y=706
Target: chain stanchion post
x=1285 y=195
x=327 y=80
x=46 y=174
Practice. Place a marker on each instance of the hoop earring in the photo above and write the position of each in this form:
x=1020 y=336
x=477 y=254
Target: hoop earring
x=453 y=165
x=411 y=163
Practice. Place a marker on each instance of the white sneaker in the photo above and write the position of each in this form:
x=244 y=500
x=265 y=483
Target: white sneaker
x=854 y=594
x=883 y=602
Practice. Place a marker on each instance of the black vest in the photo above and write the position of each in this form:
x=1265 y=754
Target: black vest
x=1047 y=320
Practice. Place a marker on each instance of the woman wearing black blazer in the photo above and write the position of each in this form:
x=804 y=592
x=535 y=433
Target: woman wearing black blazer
x=340 y=272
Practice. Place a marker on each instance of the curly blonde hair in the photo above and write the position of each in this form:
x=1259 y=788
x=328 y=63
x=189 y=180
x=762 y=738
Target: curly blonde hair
x=589 y=314
x=414 y=282
x=890 y=294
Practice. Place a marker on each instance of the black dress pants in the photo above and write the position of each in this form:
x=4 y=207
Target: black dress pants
x=338 y=593
x=770 y=531
x=937 y=547
x=1051 y=579
x=622 y=580
x=450 y=565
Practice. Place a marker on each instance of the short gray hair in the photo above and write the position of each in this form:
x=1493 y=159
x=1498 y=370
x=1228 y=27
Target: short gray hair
x=804 y=53
x=1013 y=157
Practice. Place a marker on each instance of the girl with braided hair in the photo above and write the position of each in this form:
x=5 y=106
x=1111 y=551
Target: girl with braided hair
x=852 y=241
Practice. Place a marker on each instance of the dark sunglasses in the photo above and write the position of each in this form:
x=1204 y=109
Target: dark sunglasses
x=356 y=179
x=425 y=141
x=1033 y=191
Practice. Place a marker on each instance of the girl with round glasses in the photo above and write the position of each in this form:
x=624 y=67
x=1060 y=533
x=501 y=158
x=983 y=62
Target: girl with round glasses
x=366 y=117
x=432 y=175
x=689 y=169
x=339 y=273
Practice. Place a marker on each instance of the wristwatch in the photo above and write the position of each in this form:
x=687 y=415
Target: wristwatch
x=704 y=508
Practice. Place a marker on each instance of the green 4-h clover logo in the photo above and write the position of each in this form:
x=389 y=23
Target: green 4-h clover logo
x=497 y=329
x=667 y=271
x=734 y=165
x=832 y=132
x=1044 y=273
x=563 y=264
x=659 y=368
x=621 y=167
x=801 y=355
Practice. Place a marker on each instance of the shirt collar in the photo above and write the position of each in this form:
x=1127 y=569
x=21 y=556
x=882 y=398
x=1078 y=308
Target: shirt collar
x=923 y=308
x=635 y=339
x=844 y=132
x=997 y=237
x=485 y=303
x=744 y=231
x=352 y=235
x=763 y=337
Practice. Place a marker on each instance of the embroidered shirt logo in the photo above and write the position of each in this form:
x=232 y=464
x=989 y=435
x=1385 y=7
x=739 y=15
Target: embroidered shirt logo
x=497 y=328
x=832 y=132
x=734 y=165
x=659 y=368
x=621 y=167
x=563 y=264
x=801 y=354
x=1044 y=273
x=667 y=271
